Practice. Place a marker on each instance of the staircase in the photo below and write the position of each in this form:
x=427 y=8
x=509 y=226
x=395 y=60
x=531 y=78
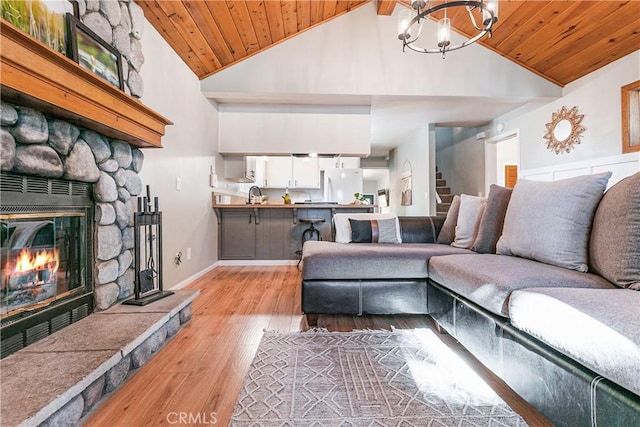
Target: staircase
x=445 y=194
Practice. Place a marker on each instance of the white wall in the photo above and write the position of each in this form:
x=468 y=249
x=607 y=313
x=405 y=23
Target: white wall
x=597 y=96
x=276 y=130
x=189 y=149
x=417 y=152
x=460 y=158
x=504 y=153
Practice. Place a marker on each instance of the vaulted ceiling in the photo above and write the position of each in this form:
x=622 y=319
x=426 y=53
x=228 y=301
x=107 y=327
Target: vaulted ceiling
x=558 y=40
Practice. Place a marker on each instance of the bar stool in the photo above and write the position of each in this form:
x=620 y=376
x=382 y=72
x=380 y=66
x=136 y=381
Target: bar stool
x=309 y=233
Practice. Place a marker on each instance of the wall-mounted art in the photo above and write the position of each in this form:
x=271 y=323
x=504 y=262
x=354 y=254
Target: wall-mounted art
x=631 y=117
x=564 y=130
x=93 y=53
x=406 y=184
x=42 y=19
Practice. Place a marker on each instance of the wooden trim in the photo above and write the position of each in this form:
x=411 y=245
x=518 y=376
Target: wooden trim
x=631 y=117
x=36 y=76
x=385 y=7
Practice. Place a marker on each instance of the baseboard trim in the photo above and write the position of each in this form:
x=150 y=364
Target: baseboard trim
x=194 y=277
x=256 y=262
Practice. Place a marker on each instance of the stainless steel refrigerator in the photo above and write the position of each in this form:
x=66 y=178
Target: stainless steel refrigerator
x=341 y=184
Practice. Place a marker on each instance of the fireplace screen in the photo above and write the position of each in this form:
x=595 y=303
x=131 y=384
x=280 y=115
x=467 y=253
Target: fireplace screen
x=43 y=257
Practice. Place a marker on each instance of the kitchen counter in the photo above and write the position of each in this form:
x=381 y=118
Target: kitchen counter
x=271 y=231
x=290 y=206
x=293 y=206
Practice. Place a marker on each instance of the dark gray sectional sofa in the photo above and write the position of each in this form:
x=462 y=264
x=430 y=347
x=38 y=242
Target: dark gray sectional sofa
x=567 y=341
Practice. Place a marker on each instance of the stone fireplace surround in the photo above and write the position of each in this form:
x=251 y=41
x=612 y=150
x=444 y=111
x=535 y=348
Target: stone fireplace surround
x=61 y=379
x=32 y=144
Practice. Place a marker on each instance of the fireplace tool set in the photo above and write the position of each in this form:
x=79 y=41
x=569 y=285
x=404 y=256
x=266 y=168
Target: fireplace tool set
x=148 y=227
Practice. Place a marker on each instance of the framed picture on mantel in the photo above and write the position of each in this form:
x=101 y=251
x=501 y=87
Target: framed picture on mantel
x=42 y=19
x=93 y=53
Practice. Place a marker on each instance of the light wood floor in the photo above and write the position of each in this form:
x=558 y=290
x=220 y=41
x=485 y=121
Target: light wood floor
x=201 y=370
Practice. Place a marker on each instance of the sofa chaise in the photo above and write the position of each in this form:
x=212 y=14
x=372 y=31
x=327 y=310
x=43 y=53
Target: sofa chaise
x=520 y=300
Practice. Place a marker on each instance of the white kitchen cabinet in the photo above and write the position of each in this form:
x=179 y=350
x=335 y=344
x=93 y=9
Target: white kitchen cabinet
x=348 y=162
x=292 y=172
x=278 y=172
x=240 y=169
x=260 y=171
x=339 y=163
x=306 y=172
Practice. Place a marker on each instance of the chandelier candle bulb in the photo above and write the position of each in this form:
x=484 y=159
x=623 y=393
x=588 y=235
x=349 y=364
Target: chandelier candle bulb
x=404 y=18
x=486 y=14
x=444 y=32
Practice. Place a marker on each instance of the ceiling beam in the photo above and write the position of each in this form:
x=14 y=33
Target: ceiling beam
x=385 y=7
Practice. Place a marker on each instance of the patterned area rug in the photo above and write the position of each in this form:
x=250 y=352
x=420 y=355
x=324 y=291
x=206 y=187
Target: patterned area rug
x=365 y=378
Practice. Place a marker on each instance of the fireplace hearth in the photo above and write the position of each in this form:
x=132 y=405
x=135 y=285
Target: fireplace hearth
x=46 y=248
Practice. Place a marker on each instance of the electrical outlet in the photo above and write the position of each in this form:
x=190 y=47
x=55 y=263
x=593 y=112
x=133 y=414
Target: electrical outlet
x=178 y=183
x=188 y=254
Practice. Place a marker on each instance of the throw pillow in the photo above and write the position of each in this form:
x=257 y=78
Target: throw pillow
x=342 y=226
x=471 y=209
x=448 y=232
x=614 y=251
x=492 y=220
x=373 y=231
x=550 y=221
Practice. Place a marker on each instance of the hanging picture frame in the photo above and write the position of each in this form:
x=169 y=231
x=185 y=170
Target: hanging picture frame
x=94 y=54
x=405 y=176
x=631 y=117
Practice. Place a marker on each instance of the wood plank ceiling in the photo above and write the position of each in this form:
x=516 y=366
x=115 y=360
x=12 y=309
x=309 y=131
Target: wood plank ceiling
x=558 y=40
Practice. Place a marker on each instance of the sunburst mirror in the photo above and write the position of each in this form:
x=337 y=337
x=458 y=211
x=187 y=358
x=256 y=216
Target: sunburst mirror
x=564 y=130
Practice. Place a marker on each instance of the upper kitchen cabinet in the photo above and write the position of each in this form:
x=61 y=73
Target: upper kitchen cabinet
x=277 y=172
x=339 y=163
x=292 y=172
x=306 y=172
x=283 y=129
x=240 y=169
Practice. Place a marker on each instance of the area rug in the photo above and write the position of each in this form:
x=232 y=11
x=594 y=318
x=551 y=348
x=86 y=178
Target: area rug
x=365 y=378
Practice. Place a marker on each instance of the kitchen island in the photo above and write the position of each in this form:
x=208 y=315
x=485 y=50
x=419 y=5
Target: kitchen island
x=271 y=231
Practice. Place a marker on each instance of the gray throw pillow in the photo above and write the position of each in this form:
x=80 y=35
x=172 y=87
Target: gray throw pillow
x=471 y=209
x=550 y=222
x=373 y=231
x=614 y=251
x=448 y=232
x=492 y=220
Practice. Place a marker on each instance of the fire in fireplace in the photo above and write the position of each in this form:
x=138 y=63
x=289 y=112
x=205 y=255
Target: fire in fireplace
x=31 y=281
x=42 y=257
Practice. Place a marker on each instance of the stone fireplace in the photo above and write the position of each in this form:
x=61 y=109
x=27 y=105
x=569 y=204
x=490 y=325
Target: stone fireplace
x=67 y=223
x=69 y=162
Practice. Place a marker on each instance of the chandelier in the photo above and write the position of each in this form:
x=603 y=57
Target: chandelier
x=482 y=16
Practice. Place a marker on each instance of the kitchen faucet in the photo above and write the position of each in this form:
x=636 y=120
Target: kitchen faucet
x=251 y=191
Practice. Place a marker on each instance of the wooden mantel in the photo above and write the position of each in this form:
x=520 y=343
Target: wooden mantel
x=32 y=74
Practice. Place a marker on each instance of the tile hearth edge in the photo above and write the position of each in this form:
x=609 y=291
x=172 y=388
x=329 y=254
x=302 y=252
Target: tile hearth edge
x=62 y=377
